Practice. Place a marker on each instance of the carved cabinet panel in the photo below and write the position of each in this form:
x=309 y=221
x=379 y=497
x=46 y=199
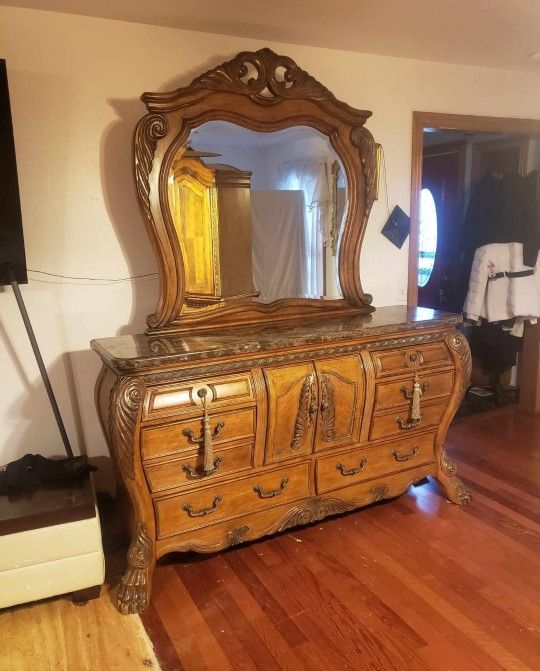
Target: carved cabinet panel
x=292 y=411
x=341 y=397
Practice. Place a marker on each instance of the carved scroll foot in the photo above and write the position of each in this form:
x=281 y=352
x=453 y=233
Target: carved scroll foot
x=452 y=487
x=135 y=584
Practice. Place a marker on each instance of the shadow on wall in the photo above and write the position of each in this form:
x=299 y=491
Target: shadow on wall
x=120 y=196
x=72 y=376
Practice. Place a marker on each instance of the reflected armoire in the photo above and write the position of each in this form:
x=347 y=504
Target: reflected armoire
x=232 y=418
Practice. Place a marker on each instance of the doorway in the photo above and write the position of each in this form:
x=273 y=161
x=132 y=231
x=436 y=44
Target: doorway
x=450 y=156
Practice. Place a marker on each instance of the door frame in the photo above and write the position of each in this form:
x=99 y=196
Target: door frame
x=440 y=121
x=529 y=400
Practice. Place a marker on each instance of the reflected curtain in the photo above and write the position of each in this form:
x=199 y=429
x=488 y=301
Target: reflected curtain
x=314 y=179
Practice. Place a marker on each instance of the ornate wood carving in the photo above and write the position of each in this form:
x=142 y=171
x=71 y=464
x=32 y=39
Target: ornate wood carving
x=455 y=488
x=126 y=397
x=459 y=344
x=328 y=409
x=265 y=77
x=237 y=536
x=379 y=493
x=363 y=139
x=133 y=591
x=316 y=508
x=303 y=416
x=238 y=364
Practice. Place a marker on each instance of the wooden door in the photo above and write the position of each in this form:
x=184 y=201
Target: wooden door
x=292 y=410
x=341 y=400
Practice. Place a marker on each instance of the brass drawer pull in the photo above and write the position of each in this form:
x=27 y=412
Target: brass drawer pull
x=188 y=508
x=352 y=471
x=414 y=396
x=405 y=457
x=271 y=492
x=410 y=394
x=408 y=424
x=188 y=433
x=195 y=474
x=207 y=435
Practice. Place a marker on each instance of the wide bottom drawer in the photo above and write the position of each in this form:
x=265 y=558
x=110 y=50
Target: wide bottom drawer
x=209 y=505
x=340 y=470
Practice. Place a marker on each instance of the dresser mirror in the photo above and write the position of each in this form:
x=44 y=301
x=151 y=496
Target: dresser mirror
x=257 y=214
x=255 y=184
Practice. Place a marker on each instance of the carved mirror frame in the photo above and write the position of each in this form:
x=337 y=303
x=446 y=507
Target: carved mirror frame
x=261 y=91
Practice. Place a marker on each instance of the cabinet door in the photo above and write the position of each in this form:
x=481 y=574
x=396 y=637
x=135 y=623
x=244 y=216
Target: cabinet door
x=341 y=399
x=292 y=409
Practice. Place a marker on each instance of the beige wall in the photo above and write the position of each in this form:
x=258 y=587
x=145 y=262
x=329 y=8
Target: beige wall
x=75 y=84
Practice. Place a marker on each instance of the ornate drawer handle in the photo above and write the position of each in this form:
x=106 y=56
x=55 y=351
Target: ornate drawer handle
x=410 y=394
x=188 y=508
x=408 y=423
x=197 y=441
x=352 y=471
x=207 y=435
x=194 y=474
x=414 y=396
x=271 y=492
x=405 y=457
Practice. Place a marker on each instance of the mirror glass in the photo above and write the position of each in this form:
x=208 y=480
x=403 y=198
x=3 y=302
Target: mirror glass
x=257 y=213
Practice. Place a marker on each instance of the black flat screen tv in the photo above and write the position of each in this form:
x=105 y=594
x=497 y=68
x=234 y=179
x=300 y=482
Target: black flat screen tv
x=12 y=256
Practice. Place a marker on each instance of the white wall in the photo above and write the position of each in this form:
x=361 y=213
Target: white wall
x=75 y=84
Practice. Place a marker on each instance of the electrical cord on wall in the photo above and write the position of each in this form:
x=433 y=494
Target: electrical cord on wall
x=104 y=280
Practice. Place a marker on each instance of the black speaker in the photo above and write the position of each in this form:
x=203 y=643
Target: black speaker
x=12 y=256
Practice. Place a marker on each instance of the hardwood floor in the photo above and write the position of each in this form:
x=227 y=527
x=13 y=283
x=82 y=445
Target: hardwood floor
x=414 y=583
x=55 y=635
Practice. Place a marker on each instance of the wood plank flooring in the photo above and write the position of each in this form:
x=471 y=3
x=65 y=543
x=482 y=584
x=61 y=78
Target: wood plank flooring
x=411 y=584
x=56 y=635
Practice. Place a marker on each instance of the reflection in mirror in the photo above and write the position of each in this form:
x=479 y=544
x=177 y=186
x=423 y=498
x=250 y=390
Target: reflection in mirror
x=257 y=214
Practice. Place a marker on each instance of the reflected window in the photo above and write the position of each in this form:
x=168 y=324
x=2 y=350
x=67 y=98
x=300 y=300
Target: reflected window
x=427 y=247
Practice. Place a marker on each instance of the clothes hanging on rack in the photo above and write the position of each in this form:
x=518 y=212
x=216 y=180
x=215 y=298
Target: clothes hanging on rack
x=500 y=243
x=501 y=286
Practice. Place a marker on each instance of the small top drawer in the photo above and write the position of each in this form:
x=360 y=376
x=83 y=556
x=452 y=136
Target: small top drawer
x=183 y=398
x=407 y=359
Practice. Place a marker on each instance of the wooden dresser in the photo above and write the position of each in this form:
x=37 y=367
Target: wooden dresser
x=235 y=419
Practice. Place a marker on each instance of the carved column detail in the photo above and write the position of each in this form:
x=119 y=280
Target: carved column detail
x=134 y=588
x=459 y=344
x=126 y=397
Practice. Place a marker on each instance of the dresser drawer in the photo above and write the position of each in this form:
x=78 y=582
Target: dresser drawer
x=391 y=394
x=170 y=400
x=386 y=425
x=170 y=439
x=187 y=471
x=371 y=462
x=202 y=507
x=407 y=359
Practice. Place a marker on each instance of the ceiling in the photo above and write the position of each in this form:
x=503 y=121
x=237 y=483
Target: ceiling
x=493 y=33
